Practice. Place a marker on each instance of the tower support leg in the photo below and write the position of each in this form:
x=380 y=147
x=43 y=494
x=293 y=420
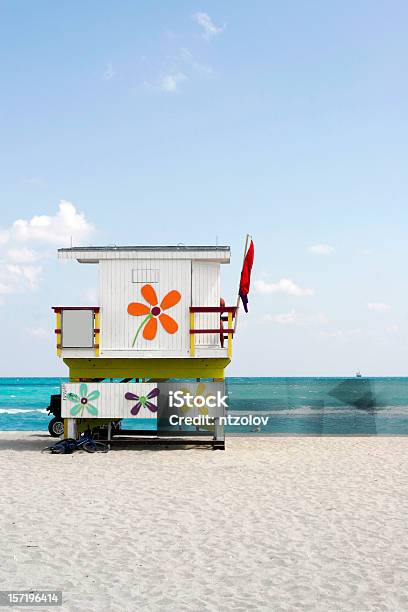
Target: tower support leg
x=70 y=428
x=219 y=433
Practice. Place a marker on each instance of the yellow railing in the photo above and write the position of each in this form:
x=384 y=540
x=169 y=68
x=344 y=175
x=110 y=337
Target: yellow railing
x=229 y=331
x=59 y=313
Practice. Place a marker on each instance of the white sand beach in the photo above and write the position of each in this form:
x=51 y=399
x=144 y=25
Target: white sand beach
x=315 y=524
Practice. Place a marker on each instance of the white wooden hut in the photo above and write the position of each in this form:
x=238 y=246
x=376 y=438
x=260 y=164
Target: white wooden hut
x=160 y=316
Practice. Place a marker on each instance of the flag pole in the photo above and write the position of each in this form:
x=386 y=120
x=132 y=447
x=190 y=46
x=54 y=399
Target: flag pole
x=248 y=237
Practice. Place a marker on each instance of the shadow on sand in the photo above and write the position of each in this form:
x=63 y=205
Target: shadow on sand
x=35 y=442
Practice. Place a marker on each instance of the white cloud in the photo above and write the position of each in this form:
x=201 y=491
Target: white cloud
x=4 y=289
x=18 y=274
x=209 y=28
x=378 y=306
x=284 y=285
x=59 y=229
x=295 y=318
x=171 y=82
x=341 y=334
x=21 y=278
x=36 y=182
x=189 y=59
x=338 y=333
x=37 y=332
x=91 y=296
x=174 y=69
x=321 y=249
x=22 y=255
x=109 y=72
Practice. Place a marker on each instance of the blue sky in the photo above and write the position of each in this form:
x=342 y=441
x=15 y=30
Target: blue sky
x=167 y=122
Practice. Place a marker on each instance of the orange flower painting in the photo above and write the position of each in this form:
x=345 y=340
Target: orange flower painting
x=154 y=312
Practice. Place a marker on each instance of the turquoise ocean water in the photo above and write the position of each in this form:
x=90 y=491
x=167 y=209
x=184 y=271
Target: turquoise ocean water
x=315 y=406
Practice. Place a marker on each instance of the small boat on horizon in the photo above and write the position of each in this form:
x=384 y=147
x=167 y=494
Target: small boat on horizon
x=359 y=374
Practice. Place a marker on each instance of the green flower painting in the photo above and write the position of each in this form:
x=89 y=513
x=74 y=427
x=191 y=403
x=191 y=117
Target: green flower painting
x=82 y=401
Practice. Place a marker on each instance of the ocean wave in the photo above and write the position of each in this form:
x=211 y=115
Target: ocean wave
x=313 y=411
x=22 y=410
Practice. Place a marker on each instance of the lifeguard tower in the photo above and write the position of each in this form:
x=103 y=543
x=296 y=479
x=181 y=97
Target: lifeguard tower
x=160 y=325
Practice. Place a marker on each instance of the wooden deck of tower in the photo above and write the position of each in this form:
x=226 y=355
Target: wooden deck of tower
x=160 y=326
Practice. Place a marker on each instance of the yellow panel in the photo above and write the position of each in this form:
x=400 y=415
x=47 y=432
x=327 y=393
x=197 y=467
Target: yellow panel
x=230 y=335
x=97 y=335
x=59 y=336
x=147 y=368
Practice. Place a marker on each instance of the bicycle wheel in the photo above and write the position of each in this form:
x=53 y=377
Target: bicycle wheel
x=48 y=450
x=95 y=447
x=62 y=447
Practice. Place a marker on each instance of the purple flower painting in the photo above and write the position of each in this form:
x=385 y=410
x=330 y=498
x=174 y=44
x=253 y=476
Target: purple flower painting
x=143 y=400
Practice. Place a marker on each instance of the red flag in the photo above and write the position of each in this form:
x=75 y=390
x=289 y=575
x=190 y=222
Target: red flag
x=245 y=281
